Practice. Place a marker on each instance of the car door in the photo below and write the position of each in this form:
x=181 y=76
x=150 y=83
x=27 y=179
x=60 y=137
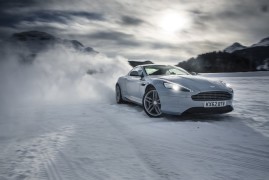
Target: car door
x=133 y=85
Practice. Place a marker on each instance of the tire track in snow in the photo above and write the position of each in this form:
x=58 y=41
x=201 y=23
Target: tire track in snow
x=128 y=154
x=159 y=143
x=159 y=173
x=70 y=166
x=35 y=158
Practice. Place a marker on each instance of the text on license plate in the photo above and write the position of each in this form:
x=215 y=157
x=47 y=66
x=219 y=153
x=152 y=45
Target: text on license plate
x=215 y=103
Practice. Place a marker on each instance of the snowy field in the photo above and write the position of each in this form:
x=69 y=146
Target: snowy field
x=102 y=140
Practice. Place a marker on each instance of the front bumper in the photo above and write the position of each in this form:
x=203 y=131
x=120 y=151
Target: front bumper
x=203 y=110
x=181 y=102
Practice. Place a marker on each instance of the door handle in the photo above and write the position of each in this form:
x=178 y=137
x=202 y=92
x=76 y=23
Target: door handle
x=143 y=84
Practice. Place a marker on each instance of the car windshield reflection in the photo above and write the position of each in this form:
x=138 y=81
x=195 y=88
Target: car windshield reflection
x=153 y=70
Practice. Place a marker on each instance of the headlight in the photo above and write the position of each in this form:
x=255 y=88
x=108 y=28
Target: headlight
x=227 y=85
x=176 y=87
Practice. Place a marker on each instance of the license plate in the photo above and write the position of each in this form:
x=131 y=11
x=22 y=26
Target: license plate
x=215 y=103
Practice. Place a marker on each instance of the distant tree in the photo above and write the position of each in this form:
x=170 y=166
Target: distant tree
x=218 y=62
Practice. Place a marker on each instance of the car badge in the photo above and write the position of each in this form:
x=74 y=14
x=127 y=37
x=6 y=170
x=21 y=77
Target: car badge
x=212 y=86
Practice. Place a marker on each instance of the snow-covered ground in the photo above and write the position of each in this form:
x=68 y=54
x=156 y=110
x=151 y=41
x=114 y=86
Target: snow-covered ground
x=103 y=140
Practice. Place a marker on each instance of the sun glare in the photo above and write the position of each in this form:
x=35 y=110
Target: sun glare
x=172 y=22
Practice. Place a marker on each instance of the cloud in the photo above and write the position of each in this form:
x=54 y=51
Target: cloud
x=117 y=37
x=133 y=28
x=127 y=20
x=264 y=8
x=62 y=16
x=156 y=45
x=110 y=35
x=47 y=16
x=8 y=21
x=16 y=3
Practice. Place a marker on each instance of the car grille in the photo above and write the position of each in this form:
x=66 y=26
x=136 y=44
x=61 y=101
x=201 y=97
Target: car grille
x=212 y=96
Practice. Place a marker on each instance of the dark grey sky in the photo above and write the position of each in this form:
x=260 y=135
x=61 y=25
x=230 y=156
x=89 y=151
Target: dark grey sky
x=172 y=30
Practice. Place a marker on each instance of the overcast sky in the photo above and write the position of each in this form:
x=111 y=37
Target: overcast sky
x=160 y=30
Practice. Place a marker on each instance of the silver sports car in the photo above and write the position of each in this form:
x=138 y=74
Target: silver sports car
x=172 y=90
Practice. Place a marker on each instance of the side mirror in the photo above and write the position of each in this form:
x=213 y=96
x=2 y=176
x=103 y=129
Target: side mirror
x=193 y=73
x=134 y=73
x=137 y=73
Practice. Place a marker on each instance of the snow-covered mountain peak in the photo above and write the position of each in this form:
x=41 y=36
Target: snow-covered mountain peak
x=37 y=41
x=263 y=42
x=234 y=47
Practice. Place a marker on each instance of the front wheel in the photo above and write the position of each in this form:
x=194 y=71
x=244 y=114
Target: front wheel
x=118 y=95
x=152 y=103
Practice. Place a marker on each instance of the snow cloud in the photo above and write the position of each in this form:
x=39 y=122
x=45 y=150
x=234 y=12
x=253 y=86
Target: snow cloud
x=59 y=75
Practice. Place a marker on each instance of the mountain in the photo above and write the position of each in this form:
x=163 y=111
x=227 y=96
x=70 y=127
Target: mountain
x=256 y=54
x=234 y=47
x=213 y=62
x=30 y=43
x=237 y=46
x=37 y=41
x=263 y=42
x=234 y=58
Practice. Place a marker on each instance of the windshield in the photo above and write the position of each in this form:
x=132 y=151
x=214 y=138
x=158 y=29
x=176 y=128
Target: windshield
x=164 y=70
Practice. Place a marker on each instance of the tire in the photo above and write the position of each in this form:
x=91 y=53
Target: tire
x=152 y=103
x=119 y=99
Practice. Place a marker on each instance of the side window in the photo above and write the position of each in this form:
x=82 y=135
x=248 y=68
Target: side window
x=136 y=72
x=175 y=71
x=131 y=72
x=150 y=70
x=155 y=71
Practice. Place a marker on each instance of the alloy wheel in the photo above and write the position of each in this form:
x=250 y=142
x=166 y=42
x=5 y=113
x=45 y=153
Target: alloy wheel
x=152 y=103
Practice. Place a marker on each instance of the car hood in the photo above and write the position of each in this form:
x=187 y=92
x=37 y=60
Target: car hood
x=195 y=83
